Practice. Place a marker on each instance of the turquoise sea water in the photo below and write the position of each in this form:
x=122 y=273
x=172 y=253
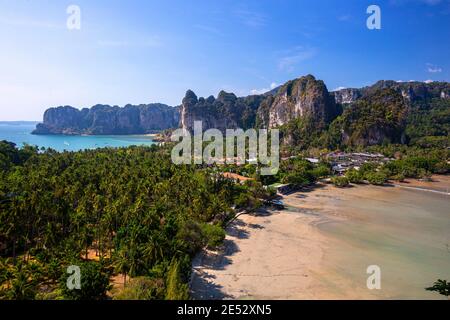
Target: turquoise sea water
x=20 y=133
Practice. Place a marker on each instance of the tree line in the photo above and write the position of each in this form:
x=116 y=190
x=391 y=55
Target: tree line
x=127 y=212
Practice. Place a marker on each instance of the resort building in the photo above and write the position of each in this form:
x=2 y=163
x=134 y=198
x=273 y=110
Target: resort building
x=342 y=161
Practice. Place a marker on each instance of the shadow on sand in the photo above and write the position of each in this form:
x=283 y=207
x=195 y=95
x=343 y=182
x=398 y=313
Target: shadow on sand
x=202 y=284
x=202 y=288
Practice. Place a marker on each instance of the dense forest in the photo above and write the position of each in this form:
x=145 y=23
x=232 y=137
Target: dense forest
x=115 y=213
x=132 y=220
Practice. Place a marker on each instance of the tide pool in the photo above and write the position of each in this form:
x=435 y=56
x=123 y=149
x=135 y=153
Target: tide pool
x=20 y=134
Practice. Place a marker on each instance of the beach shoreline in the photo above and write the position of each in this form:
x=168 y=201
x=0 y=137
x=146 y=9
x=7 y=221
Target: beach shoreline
x=291 y=254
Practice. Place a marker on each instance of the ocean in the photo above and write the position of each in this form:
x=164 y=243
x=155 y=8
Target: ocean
x=20 y=134
x=405 y=232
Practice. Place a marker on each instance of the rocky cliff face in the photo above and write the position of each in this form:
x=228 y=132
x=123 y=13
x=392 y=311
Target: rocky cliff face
x=379 y=117
x=391 y=111
x=225 y=112
x=104 y=119
x=303 y=109
x=345 y=96
x=413 y=91
x=305 y=97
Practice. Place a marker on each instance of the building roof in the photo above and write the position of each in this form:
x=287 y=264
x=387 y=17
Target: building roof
x=235 y=176
x=313 y=160
x=278 y=185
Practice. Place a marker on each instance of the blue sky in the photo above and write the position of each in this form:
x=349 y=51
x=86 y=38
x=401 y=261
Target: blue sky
x=153 y=51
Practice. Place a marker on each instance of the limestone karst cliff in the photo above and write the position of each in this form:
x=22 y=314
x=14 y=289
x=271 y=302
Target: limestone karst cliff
x=305 y=111
x=413 y=91
x=104 y=119
x=305 y=97
x=225 y=112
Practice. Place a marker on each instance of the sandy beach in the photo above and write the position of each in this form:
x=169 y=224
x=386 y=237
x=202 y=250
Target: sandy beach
x=320 y=246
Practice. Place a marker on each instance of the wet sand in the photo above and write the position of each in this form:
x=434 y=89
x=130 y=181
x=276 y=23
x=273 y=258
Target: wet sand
x=320 y=246
x=437 y=183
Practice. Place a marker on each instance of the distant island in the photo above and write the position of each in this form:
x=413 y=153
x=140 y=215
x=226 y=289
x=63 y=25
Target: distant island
x=305 y=111
x=109 y=120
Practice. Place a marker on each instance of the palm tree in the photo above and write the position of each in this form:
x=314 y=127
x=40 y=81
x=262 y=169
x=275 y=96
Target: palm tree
x=441 y=286
x=152 y=250
x=122 y=263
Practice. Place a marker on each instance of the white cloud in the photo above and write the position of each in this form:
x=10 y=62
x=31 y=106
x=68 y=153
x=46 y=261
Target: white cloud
x=433 y=68
x=273 y=85
x=339 y=88
x=429 y=81
x=295 y=56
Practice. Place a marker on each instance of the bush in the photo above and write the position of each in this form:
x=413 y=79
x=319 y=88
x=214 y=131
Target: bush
x=321 y=171
x=354 y=176
x=18 y=282
x=194 y=236
x=340 y=182
x=368 y=167
x=22 y=287
x=56 y=294
x=398 y=177
x=176 y=288
x=214 y=234
x=376 y=178
x=190 y=237
x=298 y=172
x=424 y=175
x=441 y=167
x=142 y=288
x=247 y=202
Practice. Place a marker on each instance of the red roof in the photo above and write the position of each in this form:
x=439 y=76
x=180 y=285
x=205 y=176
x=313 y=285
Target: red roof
x=234 y=176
